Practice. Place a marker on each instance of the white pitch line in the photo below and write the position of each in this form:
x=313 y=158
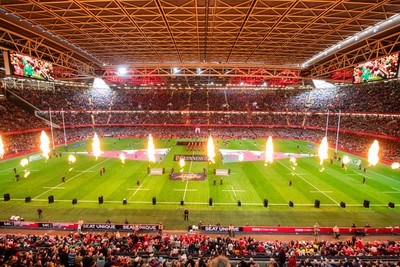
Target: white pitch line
x=187 y=181
x=363 y=174
x=190 y=190
x=305 y=180
x=184 y=194
x=7 y=169
x=54 y=187
x=392 y=192
x=83 y=171
x=133 y=189
x=137 y=189
x=321 y=191
x=70 y=179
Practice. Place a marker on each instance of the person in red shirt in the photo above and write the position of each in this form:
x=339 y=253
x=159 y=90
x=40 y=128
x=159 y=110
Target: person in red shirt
x=292 y=261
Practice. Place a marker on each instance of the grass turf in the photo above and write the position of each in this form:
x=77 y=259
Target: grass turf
x=250 y=182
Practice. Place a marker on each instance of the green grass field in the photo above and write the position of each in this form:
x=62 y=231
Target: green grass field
x=250 y=182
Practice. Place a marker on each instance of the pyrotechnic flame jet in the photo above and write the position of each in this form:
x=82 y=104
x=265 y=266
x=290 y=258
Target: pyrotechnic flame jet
x=1 y=148
x=122 y=157
x=96 y=146
x=269 y=151
x=45 y=144
x=373 y=157
x=24 y=162
x=182 y=163
x=294 y=163
x=150 y=149
x=26 y=173
x=323 y=150
x=210 y=150
x=71 y=158
x=345 y=160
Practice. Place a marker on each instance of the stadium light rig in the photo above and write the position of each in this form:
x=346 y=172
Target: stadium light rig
x=380 y=26
x=122 y=71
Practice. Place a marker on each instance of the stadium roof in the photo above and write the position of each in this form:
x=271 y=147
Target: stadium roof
x=201 y=41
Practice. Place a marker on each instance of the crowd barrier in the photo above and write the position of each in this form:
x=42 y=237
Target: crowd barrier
x=210 y=229
x=85 y=226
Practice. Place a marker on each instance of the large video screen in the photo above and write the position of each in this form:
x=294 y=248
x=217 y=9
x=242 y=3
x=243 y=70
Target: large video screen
x=382 y=68
x=30 y=67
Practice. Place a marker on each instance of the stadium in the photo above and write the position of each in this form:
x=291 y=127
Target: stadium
x=207 y=118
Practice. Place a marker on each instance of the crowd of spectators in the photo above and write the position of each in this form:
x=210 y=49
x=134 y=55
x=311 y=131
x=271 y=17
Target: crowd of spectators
x=382 y=124
x=380 y=97
x=196 y=250
x=16 y=119
x=125 y=111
